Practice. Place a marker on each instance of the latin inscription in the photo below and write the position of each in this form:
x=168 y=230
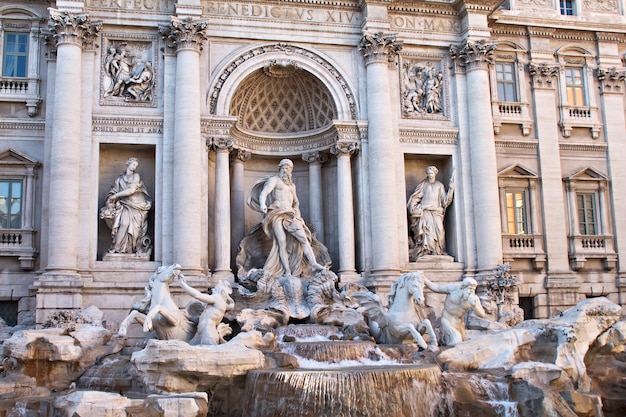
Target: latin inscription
x=126 y=129
x=148 y=5
x=282 y=12
x=425 y=24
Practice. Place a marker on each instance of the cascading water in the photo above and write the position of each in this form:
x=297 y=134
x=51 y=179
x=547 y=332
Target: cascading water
x=400 y=390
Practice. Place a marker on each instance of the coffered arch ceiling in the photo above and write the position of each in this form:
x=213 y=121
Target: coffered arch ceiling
x=281 y=99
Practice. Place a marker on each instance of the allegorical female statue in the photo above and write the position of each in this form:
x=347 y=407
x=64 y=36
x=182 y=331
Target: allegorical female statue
x=126 y=212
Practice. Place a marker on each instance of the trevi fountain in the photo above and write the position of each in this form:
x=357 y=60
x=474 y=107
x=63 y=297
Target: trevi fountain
x=288 y=339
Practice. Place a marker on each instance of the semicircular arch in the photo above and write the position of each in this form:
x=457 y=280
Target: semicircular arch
x=242 y=64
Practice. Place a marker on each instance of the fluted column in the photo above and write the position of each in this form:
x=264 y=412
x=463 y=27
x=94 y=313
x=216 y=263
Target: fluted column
x=316 y=203
x=70 y=33
x=474 y=58
x=222 y=147
x=379 y=49
x=237 y=198
x=345 y=209
x=186 y=36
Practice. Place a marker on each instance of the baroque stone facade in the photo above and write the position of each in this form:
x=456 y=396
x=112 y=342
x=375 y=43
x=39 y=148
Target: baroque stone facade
x=520 y=103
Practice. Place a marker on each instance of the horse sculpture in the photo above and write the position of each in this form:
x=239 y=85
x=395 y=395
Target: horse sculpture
x=403 y=317
x=158 y=311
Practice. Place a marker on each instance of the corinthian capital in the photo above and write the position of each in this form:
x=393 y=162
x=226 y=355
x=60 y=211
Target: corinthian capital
x=345 y=148
x=66 y=27
x=314 y=157
x=220 y=144
x=380 y=47
x=542 y=74
x=185 y=33
x=473 y=54
x=611 y=80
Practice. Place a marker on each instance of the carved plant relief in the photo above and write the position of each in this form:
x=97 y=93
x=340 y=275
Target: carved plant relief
x=422 y=89
x=128 y=72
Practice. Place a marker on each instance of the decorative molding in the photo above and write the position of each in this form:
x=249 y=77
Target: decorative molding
x=127 y=125
x=429 y=136
x=604 y=6
x=473 y=54
x=287 y=49
x=185 y=33
x=78 y=29
x=220 y=144
x=6 y=125
x=380 y=47
x=240 y=154
x=315 y=157
x=516 y=144
x=611 y=80
x=585 y=148
x=543 y=74
x=345 y=148
x=423 y=89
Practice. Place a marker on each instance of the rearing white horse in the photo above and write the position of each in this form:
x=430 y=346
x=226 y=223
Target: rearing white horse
x=158 y=311
x=402 y=318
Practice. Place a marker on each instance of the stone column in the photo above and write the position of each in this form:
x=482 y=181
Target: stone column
x=474 y=58
x=345 y=210
x=316 y=203
x=222 y=147
x=186 y=36
x=70 y=32
x=238 y=198
x=560 y=282
x=612 y=103
x=379 y=49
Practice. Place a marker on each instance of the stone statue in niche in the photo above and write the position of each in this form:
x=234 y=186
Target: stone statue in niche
x=427 y=208
x=292 y=251
x=126 y=213
x=421 y=90
x=127 y=74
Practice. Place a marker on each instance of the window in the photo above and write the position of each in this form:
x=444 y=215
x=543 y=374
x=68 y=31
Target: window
x=567 y=7
x=15 y=55
x=516 y=212
x=505 y=78
x=586 y=213
x=574 y=86
x=10 y=204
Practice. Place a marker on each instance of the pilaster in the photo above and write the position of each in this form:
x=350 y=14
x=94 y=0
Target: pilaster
x=560 y=282
x=612 y=102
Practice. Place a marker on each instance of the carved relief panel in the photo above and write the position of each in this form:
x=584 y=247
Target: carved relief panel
x=128 y=71
x=423 y=88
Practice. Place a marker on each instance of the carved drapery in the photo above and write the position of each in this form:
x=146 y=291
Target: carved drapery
x=473 y=54
x=543 y=74
x=380 y=47
x=78 y=29
x=185 y=33
x=611 y=80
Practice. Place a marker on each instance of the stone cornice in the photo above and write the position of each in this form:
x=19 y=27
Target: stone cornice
x=508 y=30
x=584 y=148
x=422 y=7
x=479 y=6
x=516 y=144
x=185 y=33
x=77 y=29
x=127 y=125
x=379 y=47
x=473 y=54
x=6 y=125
